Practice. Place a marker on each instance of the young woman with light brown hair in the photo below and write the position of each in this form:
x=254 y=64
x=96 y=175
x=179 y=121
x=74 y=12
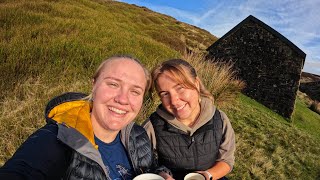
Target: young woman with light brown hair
x=188 y=132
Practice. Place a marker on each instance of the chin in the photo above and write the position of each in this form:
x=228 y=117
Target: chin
x=116 y=127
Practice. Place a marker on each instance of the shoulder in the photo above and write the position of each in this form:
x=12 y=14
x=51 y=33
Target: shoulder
x=41 y=153
x=227 y=127
x=138 y=131
x=147 y=124
x=43 y=145
x=223 y=116
x=155 y=120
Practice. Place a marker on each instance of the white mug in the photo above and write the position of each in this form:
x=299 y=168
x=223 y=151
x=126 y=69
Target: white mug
x=194 y=176
x=148 y=176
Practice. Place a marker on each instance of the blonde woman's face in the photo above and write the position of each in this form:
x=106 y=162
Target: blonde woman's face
x=118 y=94
x=177 y=99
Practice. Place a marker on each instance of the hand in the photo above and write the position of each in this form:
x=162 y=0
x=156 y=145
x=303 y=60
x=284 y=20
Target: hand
x=166 y=176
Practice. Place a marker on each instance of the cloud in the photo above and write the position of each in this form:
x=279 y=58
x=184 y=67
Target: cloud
x=296 y=20
x=312 y=67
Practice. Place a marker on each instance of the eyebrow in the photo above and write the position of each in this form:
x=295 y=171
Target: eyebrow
x=119 y=80
x=173 y=87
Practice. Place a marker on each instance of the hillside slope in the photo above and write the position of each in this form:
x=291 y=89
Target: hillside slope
x=48 y=36
x=52 y=46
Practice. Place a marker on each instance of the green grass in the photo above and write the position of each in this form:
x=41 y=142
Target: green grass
x=305 y=119
x=268 y=146
x=56 y=37
x=48 y=47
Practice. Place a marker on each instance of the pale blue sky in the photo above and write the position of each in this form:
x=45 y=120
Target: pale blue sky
x=297 y=20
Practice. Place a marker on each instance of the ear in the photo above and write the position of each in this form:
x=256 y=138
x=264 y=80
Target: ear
x=93 y=86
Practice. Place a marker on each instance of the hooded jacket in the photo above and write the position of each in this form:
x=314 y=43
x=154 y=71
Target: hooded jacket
x=65 y=148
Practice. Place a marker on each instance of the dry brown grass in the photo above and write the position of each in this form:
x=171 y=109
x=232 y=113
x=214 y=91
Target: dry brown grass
x=217 y=77
x=22 y=112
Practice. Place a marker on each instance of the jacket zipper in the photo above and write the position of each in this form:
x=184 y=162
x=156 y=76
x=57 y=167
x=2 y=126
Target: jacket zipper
x=195 y=152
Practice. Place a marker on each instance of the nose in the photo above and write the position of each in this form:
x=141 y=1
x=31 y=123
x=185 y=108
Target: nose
x=174 y=98
x=122 y=97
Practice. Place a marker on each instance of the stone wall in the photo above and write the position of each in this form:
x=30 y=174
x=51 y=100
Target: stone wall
x=270 y=68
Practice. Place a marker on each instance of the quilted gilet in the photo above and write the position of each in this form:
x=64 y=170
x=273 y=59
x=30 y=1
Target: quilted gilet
x=182 y=153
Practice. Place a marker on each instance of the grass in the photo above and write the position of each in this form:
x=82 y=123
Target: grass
x=306 y=120
x=218 y=77
x=268 y=146
x=48 y=47
x=45 y=38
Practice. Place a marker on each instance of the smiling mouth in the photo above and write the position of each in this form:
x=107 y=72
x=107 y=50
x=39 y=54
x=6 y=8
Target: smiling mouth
x=181 y=107
x=118 y=111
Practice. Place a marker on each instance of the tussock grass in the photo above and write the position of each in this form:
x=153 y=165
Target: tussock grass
x=219 y=78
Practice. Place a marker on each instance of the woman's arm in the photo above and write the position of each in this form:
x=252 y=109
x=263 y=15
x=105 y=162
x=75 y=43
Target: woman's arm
x=41 y=156
x=225 y=159
x=219 y=170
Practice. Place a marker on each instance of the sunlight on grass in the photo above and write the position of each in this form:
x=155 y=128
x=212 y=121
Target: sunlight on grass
x=267 y=143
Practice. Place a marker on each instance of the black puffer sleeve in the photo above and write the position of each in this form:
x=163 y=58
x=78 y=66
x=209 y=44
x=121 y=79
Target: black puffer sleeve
x=41 y=156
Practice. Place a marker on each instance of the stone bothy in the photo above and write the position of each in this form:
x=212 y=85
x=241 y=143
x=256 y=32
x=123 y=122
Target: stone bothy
x=268 y=62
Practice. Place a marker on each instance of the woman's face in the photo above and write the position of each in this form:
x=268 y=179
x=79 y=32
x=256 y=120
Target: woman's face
x=177 y=99
x=118 y=94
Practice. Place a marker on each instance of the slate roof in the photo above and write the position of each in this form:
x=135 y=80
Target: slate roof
x=265 y=26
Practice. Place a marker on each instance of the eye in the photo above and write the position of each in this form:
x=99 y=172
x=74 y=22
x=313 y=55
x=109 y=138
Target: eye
x=112 y=84
x=180 y=89
x=163 y=94
x=136 y=92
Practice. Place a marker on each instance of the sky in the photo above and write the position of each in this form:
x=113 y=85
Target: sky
x=297 y=20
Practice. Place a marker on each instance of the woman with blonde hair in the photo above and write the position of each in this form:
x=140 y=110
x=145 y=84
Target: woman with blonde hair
x=91 y=137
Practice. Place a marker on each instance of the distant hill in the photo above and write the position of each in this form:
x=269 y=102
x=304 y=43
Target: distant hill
x=180 y=36
x=309 y=77
x=310 y=85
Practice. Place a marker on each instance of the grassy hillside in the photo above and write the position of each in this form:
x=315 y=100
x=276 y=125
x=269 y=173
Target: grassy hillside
x=52 y=46
x=70 y=37
x=269 y=147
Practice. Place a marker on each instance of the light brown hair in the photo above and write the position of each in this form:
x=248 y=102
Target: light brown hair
x=119 y=57
x=182 y=72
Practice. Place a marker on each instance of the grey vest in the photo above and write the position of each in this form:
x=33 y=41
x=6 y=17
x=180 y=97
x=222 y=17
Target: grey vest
x=182 y=153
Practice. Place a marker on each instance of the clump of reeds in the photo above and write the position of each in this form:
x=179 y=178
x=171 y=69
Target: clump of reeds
x=218 y=77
